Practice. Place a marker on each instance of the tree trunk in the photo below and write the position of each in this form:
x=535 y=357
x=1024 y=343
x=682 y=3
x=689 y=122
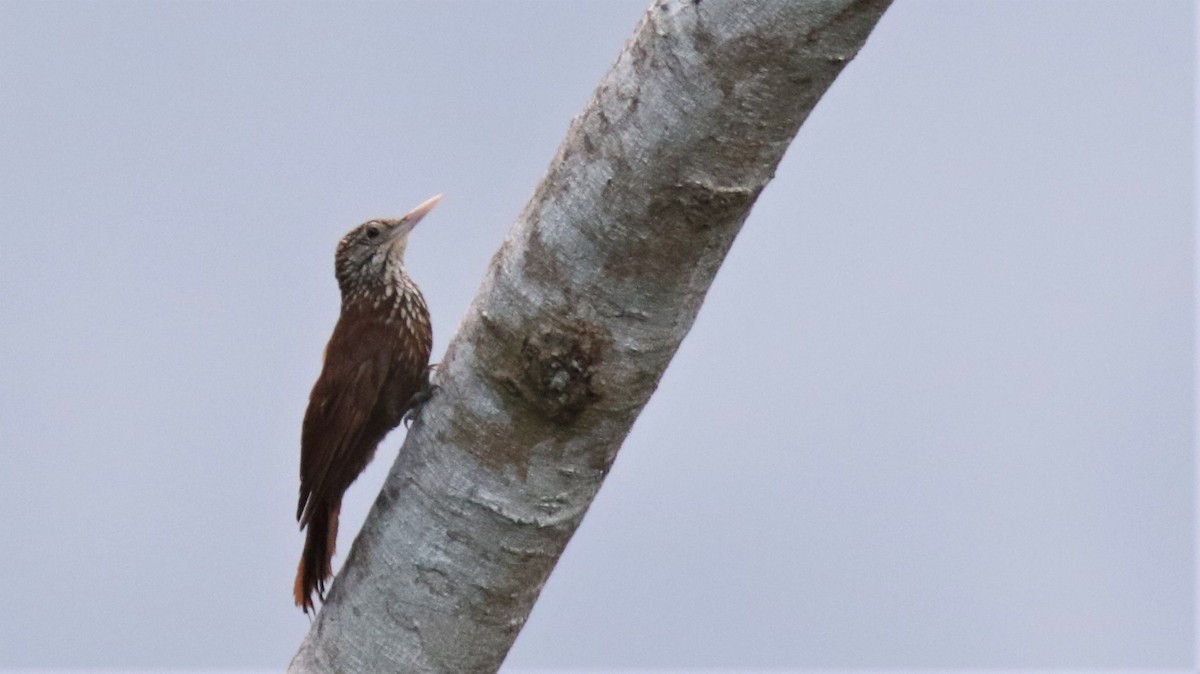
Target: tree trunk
x=577 y=318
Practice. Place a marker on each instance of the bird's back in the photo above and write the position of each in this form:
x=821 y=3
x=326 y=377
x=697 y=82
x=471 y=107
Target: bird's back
x=374 y=364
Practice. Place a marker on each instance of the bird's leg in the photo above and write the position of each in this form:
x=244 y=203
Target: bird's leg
x=421 y=397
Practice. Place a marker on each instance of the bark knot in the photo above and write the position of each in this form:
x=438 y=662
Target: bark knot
x=558 y=366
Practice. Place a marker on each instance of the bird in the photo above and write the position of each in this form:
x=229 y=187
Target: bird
x=375 y=372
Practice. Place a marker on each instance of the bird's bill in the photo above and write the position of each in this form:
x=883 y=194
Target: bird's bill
x=410 y=219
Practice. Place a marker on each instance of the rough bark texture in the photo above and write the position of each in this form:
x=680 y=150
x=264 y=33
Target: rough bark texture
x=580 y=312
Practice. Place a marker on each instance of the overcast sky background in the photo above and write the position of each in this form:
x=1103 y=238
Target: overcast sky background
x=937 y=410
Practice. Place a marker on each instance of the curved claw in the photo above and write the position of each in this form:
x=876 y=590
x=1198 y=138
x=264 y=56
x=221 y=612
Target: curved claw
x=418 y=400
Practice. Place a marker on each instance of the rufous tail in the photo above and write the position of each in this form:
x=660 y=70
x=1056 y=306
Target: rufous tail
x=316 y=562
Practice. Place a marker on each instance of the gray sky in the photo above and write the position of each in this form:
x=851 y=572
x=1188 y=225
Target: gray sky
x=937 y=409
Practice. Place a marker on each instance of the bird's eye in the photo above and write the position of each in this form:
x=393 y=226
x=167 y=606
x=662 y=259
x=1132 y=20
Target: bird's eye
x=372 y=232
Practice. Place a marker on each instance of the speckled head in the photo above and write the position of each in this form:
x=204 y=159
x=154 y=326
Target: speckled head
x=373 y=250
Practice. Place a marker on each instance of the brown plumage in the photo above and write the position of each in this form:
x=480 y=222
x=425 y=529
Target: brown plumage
x=374 y=364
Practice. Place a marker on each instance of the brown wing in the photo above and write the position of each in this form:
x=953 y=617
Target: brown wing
x=339 y=436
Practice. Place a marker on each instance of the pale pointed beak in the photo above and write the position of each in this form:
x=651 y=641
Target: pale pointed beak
x=405 y=224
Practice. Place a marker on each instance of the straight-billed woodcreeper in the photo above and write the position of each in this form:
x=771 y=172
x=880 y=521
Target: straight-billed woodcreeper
x=375 y=368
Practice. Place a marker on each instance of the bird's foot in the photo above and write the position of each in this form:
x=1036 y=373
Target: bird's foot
x=415 y=403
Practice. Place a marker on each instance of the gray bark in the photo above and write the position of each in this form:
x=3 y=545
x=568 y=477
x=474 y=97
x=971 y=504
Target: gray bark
x=579 y=314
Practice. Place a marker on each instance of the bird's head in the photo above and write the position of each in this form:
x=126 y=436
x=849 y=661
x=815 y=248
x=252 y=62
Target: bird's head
x=367 y=251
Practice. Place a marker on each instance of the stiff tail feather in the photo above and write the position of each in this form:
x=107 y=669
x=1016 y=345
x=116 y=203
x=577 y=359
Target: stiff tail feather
x=316 y=562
